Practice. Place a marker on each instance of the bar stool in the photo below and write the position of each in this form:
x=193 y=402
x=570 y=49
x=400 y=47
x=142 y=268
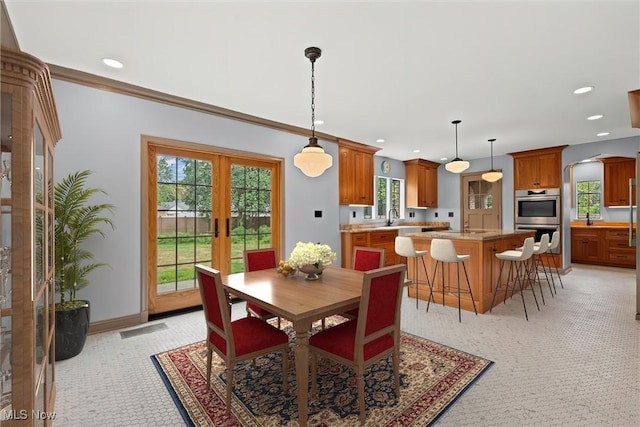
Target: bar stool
x=442 y=250
x=405 y=248
x=555 y=242
x=520 y=259
x=539 y=249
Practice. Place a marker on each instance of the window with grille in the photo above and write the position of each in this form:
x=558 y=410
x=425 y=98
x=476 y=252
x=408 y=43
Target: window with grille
x=588 y=195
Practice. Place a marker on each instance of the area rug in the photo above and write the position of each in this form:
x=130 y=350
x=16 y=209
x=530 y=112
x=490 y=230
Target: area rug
x=432 y=377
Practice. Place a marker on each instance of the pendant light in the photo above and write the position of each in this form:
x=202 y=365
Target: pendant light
x=493 y=175
x=457 y=165
x=312 y=160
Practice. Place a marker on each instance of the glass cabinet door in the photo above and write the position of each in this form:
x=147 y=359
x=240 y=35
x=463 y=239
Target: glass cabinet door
x=5 y=258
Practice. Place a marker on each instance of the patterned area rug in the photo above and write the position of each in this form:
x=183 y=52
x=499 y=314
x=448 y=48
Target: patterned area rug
x=432 y=378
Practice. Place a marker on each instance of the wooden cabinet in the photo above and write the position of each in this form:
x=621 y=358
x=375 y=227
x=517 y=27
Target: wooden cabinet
x=355 y=173
x=537 y=168
x=421 y=184
x=602 y=246
x=30 y=129
x=586 y=245
x=616 y=248
x=385 y=239
x=617 y=172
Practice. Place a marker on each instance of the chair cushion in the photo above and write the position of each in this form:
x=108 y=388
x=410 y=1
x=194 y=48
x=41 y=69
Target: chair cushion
x=250 y=334
x=259 y=310
x=341 y=339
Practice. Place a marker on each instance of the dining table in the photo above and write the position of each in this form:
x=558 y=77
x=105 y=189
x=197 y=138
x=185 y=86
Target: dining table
x=302 y=302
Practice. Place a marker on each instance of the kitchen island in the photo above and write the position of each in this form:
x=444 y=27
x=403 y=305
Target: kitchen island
x=483 y=267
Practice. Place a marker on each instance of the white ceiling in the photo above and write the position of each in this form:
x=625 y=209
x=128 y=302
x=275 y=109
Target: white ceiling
x=401 y=71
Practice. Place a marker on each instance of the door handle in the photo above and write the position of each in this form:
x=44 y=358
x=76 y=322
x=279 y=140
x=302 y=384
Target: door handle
x=227 y=226
x=215 y=228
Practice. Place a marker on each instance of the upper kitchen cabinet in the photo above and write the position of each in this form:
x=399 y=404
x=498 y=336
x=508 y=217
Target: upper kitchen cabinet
x=421 y=183
x=355 y=173
x=617 y=172
x=537 y=168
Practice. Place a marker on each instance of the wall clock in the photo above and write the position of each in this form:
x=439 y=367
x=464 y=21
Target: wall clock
x=386 y=167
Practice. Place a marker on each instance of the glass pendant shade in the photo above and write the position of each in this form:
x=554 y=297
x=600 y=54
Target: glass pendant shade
x=312 y=160
x=493 y=175
x=457 y=165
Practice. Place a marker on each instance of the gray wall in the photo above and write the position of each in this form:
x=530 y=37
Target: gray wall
x=101 y=131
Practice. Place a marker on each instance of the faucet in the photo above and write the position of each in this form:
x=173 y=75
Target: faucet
x=589 y=222
x=391 y=211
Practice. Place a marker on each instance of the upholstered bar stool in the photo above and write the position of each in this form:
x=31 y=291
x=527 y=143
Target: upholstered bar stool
x=443 y=251
x=405 y=248
x=519 y=258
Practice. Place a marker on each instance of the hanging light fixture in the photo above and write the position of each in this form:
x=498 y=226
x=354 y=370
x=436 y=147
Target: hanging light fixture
x=457 y=165
x=313 y=161
x=493 y=175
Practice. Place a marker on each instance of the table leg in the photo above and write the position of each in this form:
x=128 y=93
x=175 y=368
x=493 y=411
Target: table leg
x=301 y=353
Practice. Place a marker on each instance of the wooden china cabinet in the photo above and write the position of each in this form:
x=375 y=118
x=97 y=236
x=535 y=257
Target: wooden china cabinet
x=30 y=130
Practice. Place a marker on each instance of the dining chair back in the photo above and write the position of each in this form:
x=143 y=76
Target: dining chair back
x=237 y=341
x=365 y=259
x=260 y=259
x=374 y=335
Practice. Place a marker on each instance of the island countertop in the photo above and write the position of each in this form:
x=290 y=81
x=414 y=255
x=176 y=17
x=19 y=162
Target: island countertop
x=469 y=235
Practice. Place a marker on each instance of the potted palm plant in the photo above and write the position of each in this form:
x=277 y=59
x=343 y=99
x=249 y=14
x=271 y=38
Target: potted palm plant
x=76 y=220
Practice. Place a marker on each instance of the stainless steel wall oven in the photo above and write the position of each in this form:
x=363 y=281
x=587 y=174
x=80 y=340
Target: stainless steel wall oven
x=537 y=207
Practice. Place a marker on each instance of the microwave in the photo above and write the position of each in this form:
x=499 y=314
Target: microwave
x=537 y=206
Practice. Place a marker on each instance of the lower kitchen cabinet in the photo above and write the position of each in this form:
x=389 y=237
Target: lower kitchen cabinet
x=601 y=245
x=385 y=239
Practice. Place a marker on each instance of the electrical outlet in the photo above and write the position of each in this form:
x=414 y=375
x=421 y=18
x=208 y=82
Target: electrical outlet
x=450 y=214
x=318 y=214
x=436 y=214
x=353 y=214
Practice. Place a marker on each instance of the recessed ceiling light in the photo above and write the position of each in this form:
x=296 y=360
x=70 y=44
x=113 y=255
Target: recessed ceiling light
x=582 y=90
x=380 y=140
x=416 y=151
x=587 y=160
x=113 y=63
x=595 y=117
x=604 y=134
x=443 y=158
x=318 y=122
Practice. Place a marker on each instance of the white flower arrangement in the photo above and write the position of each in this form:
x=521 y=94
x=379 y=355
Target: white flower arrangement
x=315 y=254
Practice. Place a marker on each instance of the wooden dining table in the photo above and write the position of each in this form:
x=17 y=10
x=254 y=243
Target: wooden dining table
x=302 y=302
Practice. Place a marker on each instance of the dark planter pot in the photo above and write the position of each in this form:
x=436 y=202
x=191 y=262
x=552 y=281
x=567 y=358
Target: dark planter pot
x=72 y=326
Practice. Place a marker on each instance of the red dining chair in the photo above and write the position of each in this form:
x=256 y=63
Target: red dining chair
x=260 y=259
x=365 y=259
x=371 y=337
x=242 y=339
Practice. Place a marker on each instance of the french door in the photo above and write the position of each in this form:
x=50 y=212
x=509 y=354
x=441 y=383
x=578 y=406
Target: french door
x=204 y=207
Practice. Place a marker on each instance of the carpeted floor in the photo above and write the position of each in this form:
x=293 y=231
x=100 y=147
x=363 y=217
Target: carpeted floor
x=432 y=377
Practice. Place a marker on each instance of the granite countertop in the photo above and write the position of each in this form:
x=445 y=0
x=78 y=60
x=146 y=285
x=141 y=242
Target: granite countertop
x=358 y=228
x=468 y=235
